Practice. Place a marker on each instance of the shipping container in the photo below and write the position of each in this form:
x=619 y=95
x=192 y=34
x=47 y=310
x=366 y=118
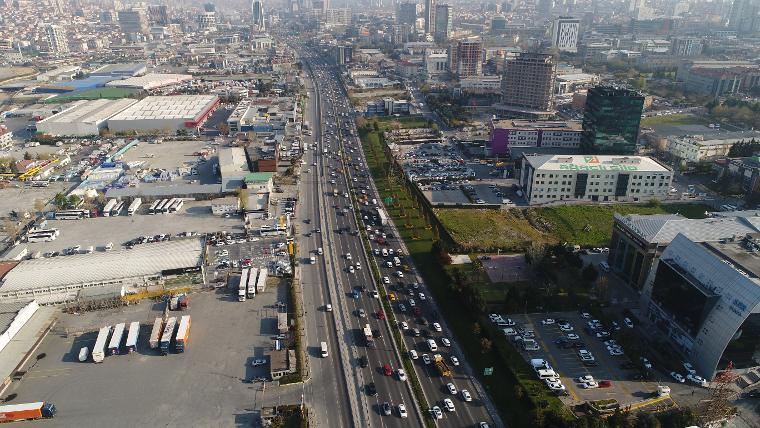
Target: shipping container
x=166 y=338
x=118 y=333
x=261 y=281
x=155 y=334
x=17 y=412
x=183 y=333
x=251 y=284
x=98 y=351
x=132 y=336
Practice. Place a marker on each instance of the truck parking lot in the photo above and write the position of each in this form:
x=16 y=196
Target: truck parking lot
x=207 y=385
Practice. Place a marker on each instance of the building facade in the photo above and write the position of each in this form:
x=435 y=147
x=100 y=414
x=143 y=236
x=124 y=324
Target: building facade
x=565 y=34
x=507 y=134
x=611 y=120
x=406 y=13
x=444 y=25
x=547 y=179
x=469 y=57
x=133 y=21
x=686 y=46
x=257 y=15
x=529 y=84
x=430 y=16
x=57 y=42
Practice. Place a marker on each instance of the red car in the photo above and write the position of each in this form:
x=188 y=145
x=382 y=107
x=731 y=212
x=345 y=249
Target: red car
x=387 y=370
x=380 y=315
x=605 y=383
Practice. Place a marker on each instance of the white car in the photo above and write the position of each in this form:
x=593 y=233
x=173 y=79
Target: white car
x=548 y=321
x=678 y=377
x=422 y=296
x=404 y=326
x=386 y=280
x=566 y=328
x=446 y=342
x=375 y=294
x=689 y=368
x=494 y=317
x=436 y=411
x=452 y=388
x=699 y=380
x=455 y=361
x=348 y=256
x=448 y=404
x=399 y=274
x=646 y=363
x=586 y=378
x=466 y=395
x=615 y=352
x=402 y=410
x=572 y=336
x=351 y=268
x=628 y=323
x=401 y=374
x=426 y=358
x=389 y=264
x=437 y=327
x=413 y=354
x=590 y=385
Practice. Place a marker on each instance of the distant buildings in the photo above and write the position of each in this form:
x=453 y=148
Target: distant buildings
x=435 y=64
x=547 y=179
x=343 y=54
x=611 y=120
x=207 y=20
x=388 y=107
x=57 y=42
x=133 y=21
x=718 y=78
x=565 y=34
x=165 y=114
x=406 y=13
x=83 y=119
x=257 y=13
x=528 y=86
x=695 y=148
x=508 y=134
x=743 y=17
x=337 y=16
x=443 y=22
x=686 y=46
x=467 y=57
x=430 y=16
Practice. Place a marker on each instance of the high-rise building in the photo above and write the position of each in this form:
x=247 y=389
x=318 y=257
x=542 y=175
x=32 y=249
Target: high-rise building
x=468 y=57
x=209 y=7
x=158 y=14
x=133 y=21
x=498 y=24
x=56 y=36
x=686 y=46
x=257 y=13
x=565 y=34
x=744 y=16
x=544 y=8
x=528 y=85
x=430 y=16
x=58 y=6
x=207 y=20
x=443 y=22
x=340 y=16
x=406 y=13
x=611 y=121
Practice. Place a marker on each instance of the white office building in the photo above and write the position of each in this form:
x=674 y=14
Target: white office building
x=57 y=42
x=695 y=148
x=565 y=34
x=547 y=179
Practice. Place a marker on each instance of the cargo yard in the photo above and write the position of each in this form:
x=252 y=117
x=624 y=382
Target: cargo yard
x=204 y=358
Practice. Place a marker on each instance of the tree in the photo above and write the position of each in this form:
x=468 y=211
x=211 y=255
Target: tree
x=242 y=195
x=535 y=254
x=512 y=300
x=74 y=200
x=476 y=329
x=27 y=156
x=60 y=200
x=590 y=273
x=485 y=345
x=646 y=420
x=223 y=129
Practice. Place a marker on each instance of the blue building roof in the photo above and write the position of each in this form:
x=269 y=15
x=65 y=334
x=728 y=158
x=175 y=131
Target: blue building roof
x=76 y=85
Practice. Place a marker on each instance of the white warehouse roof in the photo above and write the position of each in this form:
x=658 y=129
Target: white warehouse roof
x=184 y=107
x=594 y=163
x=83 y=118
x=142 y=260
x=150 y=81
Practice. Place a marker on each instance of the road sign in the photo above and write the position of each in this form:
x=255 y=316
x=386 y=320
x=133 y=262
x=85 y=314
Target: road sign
x=488 y=371
x=388 y=200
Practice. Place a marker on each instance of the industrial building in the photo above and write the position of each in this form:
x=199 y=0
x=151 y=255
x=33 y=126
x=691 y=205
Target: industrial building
x=59 y=279
x=546 y=179
x=150 y=81
x=705 y=299
x=638 y=240
x=262 y=115
x=233 y=166
x=131 y=69
x=165 y=114
x=83 y=118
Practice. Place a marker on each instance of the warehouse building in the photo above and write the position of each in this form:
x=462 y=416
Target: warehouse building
x=83 y=119
x=165 y=114
x=59 y=279
x=705 y=299
x=150 y=81
x=233 y=166
x=546 y=179
x=130 y=69
x=638 y=240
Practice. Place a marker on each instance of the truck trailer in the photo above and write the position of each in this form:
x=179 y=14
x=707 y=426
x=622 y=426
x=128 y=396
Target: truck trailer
x=261 y=281
x=243 y=284
x=166 y=338
x=134 y=333
x=99 y=350
x=134 y=206
x=155 y=334
x=382 y=217
x=108 y=207
x=118 y=334
x=251 y=283
x=19 y=412
x=368 y=336
x=183 y=333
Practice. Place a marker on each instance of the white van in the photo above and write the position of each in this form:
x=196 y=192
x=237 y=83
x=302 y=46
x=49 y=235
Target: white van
x=540 y=364
x=397 y=261
x=313 y=260
x=547 y=374
x=530 y=345
x=319 y=251
x=83 y=354
x=432 y=345
x=323 y=347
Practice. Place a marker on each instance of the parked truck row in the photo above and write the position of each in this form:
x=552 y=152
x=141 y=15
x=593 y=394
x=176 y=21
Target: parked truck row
x=252 y=281
x=114 y=207
x=166 y=206
x=123 y=339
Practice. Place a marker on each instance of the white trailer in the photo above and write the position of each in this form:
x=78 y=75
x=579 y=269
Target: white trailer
x=251 y=285
x=166 y=338
x=243 y=284
x=118 y=334
x=160 y=207
x=108 y=207
x=134 y=206
x=152 y=208
x=167 y=205
x=261 y=282
x=117 y=209
x=382 y=217
x=155 y=334
x=134 y=333
x=99 y=350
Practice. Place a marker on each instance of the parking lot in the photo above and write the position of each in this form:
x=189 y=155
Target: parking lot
x=207 y=385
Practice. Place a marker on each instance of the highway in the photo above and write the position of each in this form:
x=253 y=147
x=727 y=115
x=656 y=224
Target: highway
x=339 y=231
x=338 y=390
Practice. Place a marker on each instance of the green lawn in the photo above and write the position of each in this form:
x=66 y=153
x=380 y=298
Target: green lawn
x=515 y=229
x=94 y=94
x=672 y=119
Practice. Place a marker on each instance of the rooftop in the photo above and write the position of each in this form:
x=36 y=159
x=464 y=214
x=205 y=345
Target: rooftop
x=233 y=161
x=122 y=69
x=554 y=125
x=142 y=260
x=741 y=254
x=150 y=81
x=662 y=229
x=594 y=163
x=186 y=107
x=90 y=111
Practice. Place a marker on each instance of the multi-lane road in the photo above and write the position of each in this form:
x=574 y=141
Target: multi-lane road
x=333 y=170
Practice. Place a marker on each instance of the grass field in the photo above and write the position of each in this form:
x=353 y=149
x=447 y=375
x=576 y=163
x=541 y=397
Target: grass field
x=585 y=225
x=94 y=94
x=672 y=119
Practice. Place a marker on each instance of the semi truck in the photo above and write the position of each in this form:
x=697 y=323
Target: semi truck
x=20 y=412
x=335 y=192
x=382 y=217
x=251 y=291
x=166 y=338
x=115 y=344
x=261 y=281
x=368 y=336
x=99 y=350
x=134 y=333
x=183 y=333
x=243 y=284
x=155 y=334
x=441 y=364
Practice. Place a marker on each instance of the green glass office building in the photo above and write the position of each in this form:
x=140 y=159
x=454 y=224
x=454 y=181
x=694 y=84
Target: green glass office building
x=611 y=121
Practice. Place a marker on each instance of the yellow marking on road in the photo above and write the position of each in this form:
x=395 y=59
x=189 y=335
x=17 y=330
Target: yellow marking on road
x=550 y=355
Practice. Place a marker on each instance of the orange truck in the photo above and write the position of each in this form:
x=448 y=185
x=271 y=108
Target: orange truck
x=19 y=412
